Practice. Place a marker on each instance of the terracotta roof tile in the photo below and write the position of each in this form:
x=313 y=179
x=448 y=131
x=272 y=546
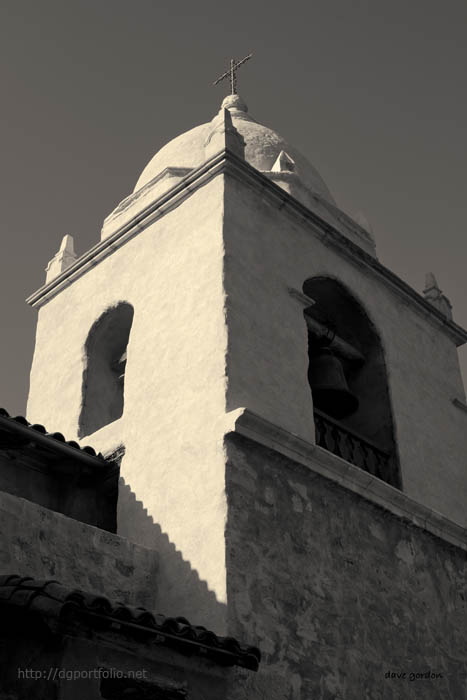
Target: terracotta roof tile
x=51 y=599
x=21 y=420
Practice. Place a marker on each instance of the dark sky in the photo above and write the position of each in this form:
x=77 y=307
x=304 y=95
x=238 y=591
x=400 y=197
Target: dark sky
x=373 y=93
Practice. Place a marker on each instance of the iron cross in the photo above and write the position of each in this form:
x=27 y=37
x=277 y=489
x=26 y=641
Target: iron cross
x=232 y=73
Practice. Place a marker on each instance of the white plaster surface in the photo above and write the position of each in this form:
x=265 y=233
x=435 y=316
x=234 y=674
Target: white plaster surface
x=267 y=252
x=262 y=148
x=123 y=214
x=174 y=403
x=215 y=329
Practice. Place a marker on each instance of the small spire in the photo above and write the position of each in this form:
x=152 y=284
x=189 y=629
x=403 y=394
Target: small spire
x=435 y=296
x=431 y=283
x=283 y=163
x=67 y=246
x=362 y=221
x=64 y=257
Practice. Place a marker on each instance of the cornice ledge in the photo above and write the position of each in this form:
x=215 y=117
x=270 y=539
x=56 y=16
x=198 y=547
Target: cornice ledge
x=332 y=236
x=320 y=461
x=226 y=161
x=137 y=194
x=168 y=200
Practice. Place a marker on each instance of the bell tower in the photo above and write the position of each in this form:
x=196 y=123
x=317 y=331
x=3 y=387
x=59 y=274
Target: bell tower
x=230 y=302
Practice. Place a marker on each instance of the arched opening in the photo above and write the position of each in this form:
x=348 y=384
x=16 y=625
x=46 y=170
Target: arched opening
x=104 y=374
x=348 y=380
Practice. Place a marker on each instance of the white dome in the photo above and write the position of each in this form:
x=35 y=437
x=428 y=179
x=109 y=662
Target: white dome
x=262 y=147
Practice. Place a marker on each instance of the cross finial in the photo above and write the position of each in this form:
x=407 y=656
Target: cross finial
x=232 y=73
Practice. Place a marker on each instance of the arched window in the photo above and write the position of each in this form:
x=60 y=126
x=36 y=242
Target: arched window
x=104 y=374
x=348 y=381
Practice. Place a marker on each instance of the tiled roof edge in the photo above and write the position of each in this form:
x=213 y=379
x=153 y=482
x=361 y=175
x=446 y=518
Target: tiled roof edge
x=87 y=449
x=50 y=599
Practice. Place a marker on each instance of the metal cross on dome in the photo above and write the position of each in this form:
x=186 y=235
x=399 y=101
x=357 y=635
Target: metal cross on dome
x=232 y=73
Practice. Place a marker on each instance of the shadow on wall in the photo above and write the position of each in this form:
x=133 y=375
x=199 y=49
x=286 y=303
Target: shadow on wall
x=104 y=373
x=348 y=379
x=180 y=591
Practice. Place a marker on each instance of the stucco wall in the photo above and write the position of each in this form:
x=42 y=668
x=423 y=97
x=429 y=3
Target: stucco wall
x=173 y=418
x=268 y=251
x=37 y=542
x=180 y=273
x=336 y=591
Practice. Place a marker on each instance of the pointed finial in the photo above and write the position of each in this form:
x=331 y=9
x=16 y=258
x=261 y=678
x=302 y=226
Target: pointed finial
x=435 y=296
x=360 y=218
x=65 y=257
x=431 y=283
x=362 y=221
x=67 y=245
x=283 y=163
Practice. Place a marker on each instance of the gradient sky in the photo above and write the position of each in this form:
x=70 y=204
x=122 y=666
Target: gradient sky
x=373 y=93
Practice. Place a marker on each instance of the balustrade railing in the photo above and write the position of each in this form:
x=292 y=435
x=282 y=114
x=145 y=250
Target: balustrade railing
x=342 y=442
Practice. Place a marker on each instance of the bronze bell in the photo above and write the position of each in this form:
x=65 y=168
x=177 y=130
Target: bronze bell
x=329 y=387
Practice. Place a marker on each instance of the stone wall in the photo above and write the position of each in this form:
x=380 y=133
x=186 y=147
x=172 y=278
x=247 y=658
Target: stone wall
x=336 y=591
x=38 y=542
x=229 y=247
x=270 y=251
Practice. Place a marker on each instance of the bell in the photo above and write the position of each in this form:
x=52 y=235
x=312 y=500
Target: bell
x=329 y=388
